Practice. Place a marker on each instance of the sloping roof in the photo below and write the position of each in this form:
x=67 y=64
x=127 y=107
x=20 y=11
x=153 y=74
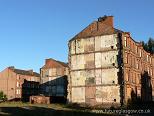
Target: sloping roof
x=24 y=72
x=98 y=28
x=62 y=63
x=54 y=63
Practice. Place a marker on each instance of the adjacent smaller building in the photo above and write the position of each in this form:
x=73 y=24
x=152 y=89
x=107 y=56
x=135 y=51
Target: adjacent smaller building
x=19 y=84
x=54 y=80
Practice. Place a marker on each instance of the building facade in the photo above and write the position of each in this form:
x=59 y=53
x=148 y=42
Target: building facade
x=138 y=70
x=107 y=66
x=54 y=80
x=19 y=84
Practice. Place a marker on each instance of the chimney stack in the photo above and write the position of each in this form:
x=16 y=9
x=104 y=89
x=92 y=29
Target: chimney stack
x=108 y=20
x=47 y=61
x=11 y=67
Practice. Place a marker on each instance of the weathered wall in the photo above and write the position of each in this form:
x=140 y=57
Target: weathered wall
x=94 y=70
x=78 y=94
x=54 y=79
x=107 y=94
x=106 y=42
x=84 y=45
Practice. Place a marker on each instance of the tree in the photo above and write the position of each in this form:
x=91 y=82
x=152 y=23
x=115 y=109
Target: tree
x=149 y=46
x=3 y=97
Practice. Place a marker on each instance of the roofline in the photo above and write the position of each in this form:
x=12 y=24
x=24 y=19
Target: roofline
x=60 y=62
x=13 y=68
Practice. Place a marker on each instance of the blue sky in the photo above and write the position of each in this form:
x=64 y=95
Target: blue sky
x=33 y=30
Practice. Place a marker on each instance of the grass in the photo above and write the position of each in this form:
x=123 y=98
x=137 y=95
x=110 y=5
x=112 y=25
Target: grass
x=27 y=109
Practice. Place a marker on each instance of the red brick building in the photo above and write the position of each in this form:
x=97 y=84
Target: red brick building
x=19 y=84
x=138 y=69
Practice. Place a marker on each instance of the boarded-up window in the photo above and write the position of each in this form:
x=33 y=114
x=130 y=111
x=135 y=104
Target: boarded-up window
x=46 y=73
x=59 y=71
x=109 y=58
x=79 y=46
x=53 y=71
x=89 y=61
x=98 y=60
x=90 y=77
x=73 y=47
x=90 y=92
x=89 y=48
x=97 y=43
x=108 y=42
x=90 y=81
x=98 y=74
x=89 y=45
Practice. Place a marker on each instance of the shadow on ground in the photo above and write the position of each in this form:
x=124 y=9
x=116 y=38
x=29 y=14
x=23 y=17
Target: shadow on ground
x=41 y=111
